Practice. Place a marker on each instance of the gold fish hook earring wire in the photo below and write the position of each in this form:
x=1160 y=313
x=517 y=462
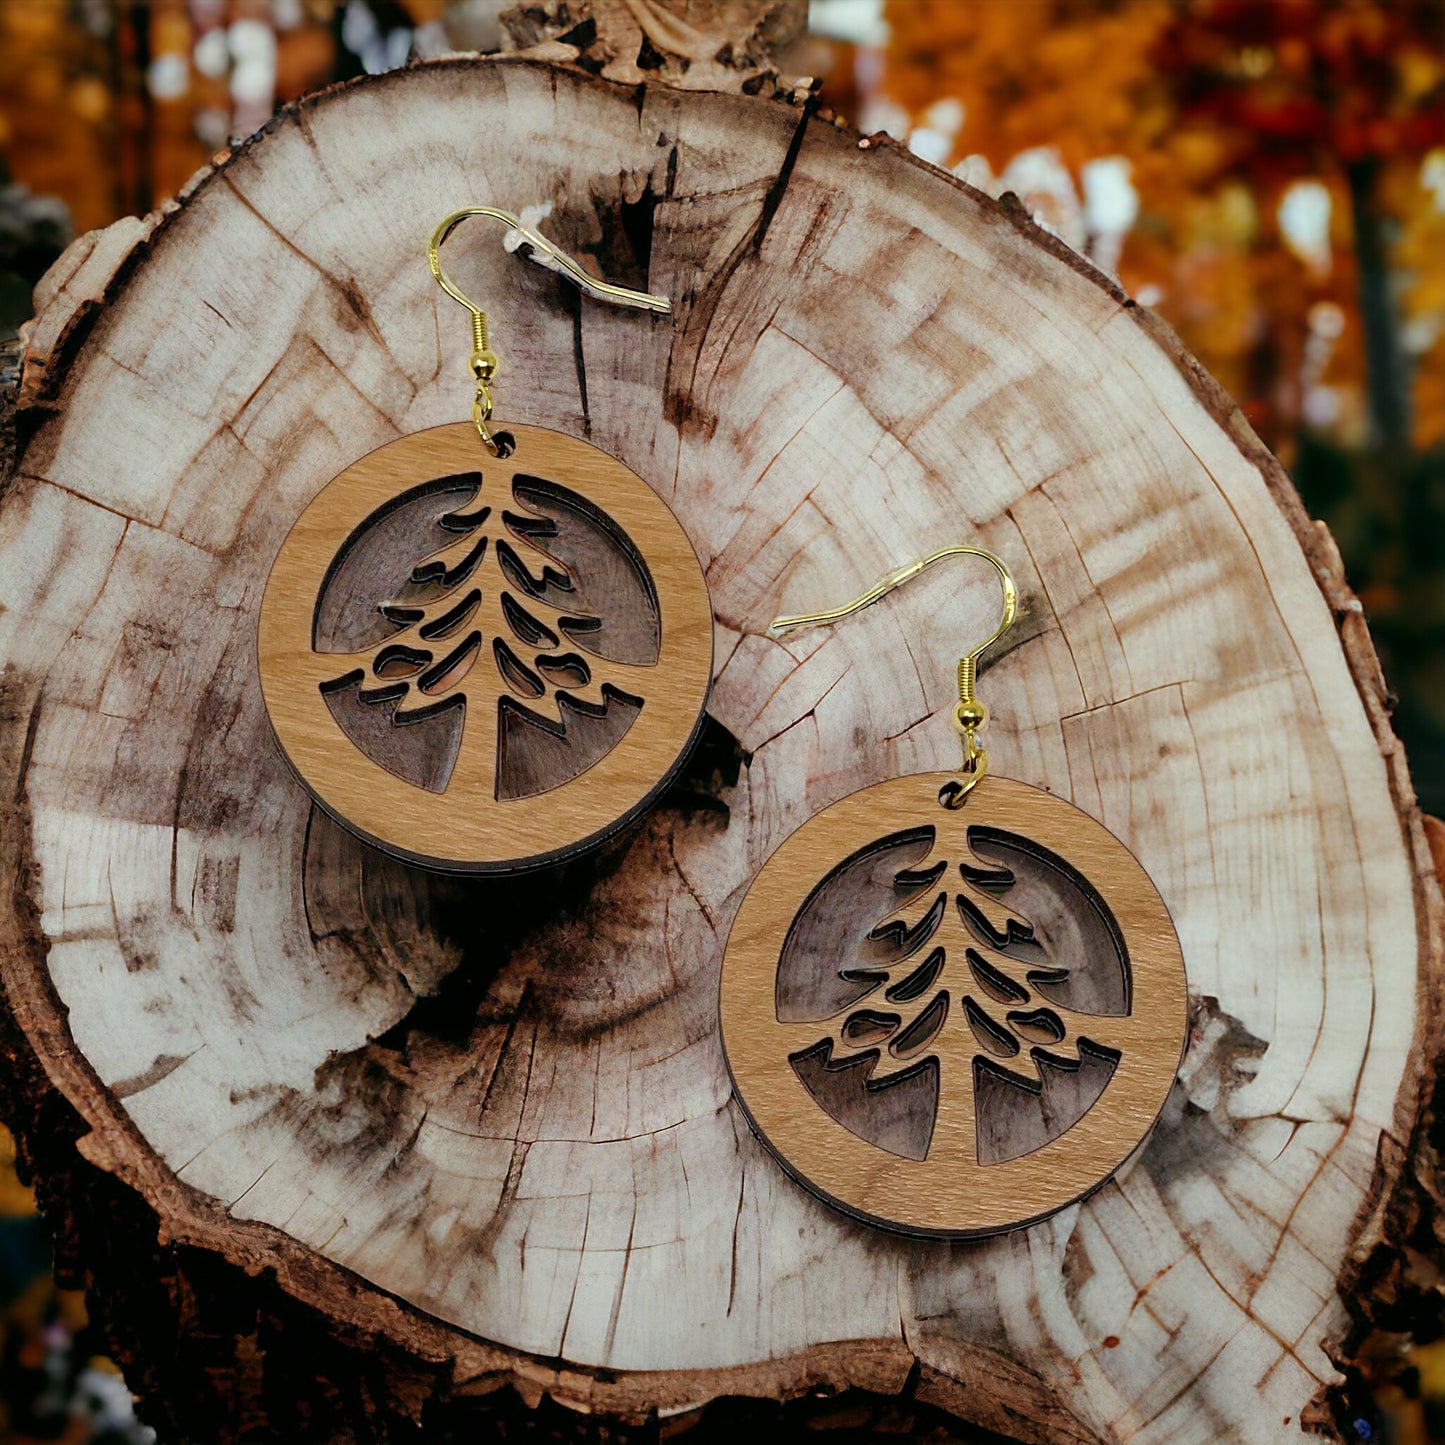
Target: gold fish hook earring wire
x=484 y=361
x=486 y=784
x=970 y=716
x=897 y=1044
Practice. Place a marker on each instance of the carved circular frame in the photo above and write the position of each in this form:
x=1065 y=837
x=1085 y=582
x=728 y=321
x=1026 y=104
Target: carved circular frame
x=467 y=828
x=948 y=1192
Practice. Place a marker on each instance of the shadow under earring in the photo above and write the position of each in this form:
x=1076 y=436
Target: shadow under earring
x=487 y=650
x=952 y=1005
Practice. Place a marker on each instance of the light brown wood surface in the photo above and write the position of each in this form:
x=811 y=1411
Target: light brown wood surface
x=478 y=1133
x=949 y=1185
x=690 y=44
x=506 y=797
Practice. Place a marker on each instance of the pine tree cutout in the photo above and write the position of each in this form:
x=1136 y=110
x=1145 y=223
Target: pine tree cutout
x=497 y=634
x=958 y=992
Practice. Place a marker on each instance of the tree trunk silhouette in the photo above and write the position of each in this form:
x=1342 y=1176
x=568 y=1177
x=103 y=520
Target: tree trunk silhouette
x=1387 y=385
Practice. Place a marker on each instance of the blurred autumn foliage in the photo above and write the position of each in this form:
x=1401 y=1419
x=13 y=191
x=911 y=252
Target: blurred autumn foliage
x=1270 y=176
x=1220 y=108
x=113 y=104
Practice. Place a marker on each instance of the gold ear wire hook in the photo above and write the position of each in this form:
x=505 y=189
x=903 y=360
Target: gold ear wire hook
x=483 y=359
x=970 y=716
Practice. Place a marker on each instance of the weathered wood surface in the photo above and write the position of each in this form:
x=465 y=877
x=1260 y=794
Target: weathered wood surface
x=482 y=1132
x=727 y=45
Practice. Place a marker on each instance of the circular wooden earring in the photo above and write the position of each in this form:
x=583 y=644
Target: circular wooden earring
x=952 y=1006
x=487 y=650
x=485 y=663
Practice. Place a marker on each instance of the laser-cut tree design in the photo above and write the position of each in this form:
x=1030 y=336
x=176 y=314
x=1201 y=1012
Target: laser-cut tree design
x=975 y=996
x=516 y=650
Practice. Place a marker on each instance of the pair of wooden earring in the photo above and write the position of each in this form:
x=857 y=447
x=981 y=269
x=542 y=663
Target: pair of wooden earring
x=950 y=1005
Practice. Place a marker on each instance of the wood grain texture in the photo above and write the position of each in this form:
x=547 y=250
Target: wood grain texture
x=952 y=1186
x=691 y=44
x=445 y=1114
x=454 y=609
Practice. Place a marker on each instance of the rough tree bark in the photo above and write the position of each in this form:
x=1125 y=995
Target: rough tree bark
x=405 y=1139
x=691 y=44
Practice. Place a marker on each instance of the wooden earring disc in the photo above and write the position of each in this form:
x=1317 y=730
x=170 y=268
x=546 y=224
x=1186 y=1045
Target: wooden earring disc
x=501 y=760
x=801 y=947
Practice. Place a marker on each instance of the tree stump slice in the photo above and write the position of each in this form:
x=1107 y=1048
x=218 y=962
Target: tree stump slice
x=474 y=1132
